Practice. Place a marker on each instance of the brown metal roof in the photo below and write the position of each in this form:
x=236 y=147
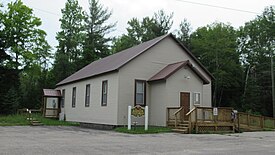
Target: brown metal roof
x=51 y=93
x=110 y=63
x=116 y=61
x=170 y=69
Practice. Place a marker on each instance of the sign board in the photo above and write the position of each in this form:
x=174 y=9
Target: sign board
x=137 y=111
x=215 y=111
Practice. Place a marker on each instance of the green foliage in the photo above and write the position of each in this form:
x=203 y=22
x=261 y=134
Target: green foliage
x=23 y=48
x=32 y=81
x=184 y=33
x=24 y=41
x=256 y=42
x=144 y=30
x=97 y=44
x=140 y=130
x=10 y=102
x=70 y=41
x=215 y=46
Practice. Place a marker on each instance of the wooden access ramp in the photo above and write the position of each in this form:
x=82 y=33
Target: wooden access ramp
x=206 y=120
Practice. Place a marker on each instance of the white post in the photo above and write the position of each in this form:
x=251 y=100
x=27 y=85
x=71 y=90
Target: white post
x=146 y=117
x=129 y=117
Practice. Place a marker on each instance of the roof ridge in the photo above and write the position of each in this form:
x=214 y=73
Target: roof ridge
x=112 y=62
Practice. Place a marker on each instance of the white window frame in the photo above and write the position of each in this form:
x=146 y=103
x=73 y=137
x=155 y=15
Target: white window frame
x=143 y=93
x=104 y=92
x=87 y=95
x=194 y=98
x=74 y=97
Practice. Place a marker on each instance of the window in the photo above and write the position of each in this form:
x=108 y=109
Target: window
x=73 y=97
x=197 y=98
x=104 y=93
x=63 y=98
x=87 y=96
x=140 y=92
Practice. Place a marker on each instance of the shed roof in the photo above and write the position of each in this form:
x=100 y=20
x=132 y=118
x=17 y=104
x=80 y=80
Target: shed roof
x=116 y=61
x=51 y=93
x=170 y=69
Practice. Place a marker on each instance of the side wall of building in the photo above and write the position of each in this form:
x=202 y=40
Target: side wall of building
x=95 y=113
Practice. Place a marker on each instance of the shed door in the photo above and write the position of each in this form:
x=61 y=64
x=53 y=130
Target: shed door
x=185 y=103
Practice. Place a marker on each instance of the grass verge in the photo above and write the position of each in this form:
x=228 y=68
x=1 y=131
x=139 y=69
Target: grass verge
x=21 y=120
x=140 y=130
x=13 y=120
x=54 y=122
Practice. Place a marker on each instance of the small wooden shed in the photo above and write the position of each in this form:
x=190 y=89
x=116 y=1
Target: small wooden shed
x=51 y=103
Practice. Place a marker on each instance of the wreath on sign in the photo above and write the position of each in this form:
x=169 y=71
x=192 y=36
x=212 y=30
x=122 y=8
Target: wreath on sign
x=137 y=111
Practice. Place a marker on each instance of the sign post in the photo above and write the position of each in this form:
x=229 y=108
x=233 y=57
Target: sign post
x=138 y=111
x=146 y=118
x=129 y=117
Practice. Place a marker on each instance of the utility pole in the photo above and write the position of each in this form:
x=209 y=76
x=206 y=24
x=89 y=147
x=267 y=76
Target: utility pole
x=272 y=81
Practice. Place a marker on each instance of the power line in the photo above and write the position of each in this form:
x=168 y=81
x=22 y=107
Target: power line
x=216 y=6
x=46 y=11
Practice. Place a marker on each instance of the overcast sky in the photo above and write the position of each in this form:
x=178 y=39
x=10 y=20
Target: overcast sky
x=197 y=12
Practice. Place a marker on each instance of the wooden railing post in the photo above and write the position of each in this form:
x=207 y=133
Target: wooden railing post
x=262 y=122
x=196 y=119
x=248 y=119
x=168 y=114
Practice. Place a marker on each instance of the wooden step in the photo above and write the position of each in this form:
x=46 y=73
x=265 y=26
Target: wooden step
x=180 y=130
x=36 y=123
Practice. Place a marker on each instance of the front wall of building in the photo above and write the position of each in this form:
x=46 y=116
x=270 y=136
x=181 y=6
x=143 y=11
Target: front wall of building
x=145 y=66
x=167 y=94
x=95 y=113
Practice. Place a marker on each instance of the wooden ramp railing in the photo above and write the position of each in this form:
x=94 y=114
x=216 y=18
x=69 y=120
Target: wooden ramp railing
x=252 y=122
x=202 y=119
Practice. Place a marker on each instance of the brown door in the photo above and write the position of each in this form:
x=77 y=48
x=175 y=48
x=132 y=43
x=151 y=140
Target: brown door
x=185 y=103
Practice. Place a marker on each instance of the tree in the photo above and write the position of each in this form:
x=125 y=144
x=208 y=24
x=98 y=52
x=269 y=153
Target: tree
x=97 y=44
x=215 y=46
x=146 y=29
x=10 y=102
x=70 y=40
x=22 y=35
x=184 y=33
x=257 y=45
x=22 y=46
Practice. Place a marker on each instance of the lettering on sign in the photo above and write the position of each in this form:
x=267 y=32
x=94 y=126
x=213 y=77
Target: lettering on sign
x=138 y=111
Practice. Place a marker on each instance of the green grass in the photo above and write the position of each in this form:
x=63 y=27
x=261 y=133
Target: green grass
x=20 y=120
x=13 y=120
x=53 y=122
x=140 y=130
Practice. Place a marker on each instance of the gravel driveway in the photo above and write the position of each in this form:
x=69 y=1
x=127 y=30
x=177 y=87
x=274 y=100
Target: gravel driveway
x=75 y=140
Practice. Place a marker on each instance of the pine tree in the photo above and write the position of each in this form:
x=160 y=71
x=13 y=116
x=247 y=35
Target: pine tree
x=70 y=40
x=97 y=44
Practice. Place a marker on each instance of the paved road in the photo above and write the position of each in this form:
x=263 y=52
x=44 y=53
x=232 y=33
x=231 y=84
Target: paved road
x=75 y=140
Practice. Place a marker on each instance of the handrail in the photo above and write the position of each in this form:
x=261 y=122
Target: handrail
x=191 y=111
x=176 y=113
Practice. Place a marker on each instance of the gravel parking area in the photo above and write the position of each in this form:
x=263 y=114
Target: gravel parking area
x=75 y=140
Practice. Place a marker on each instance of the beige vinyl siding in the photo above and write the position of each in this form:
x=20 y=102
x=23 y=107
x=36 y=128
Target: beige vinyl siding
x=95 y=113
x=145 y=66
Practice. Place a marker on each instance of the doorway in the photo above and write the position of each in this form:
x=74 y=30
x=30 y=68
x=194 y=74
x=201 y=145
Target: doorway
x=185 y=103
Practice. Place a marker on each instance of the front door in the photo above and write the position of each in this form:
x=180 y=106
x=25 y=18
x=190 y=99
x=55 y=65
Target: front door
x=185 y=103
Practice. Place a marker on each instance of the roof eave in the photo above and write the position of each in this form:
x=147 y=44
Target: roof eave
x=190 y=54
x=62 y=84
